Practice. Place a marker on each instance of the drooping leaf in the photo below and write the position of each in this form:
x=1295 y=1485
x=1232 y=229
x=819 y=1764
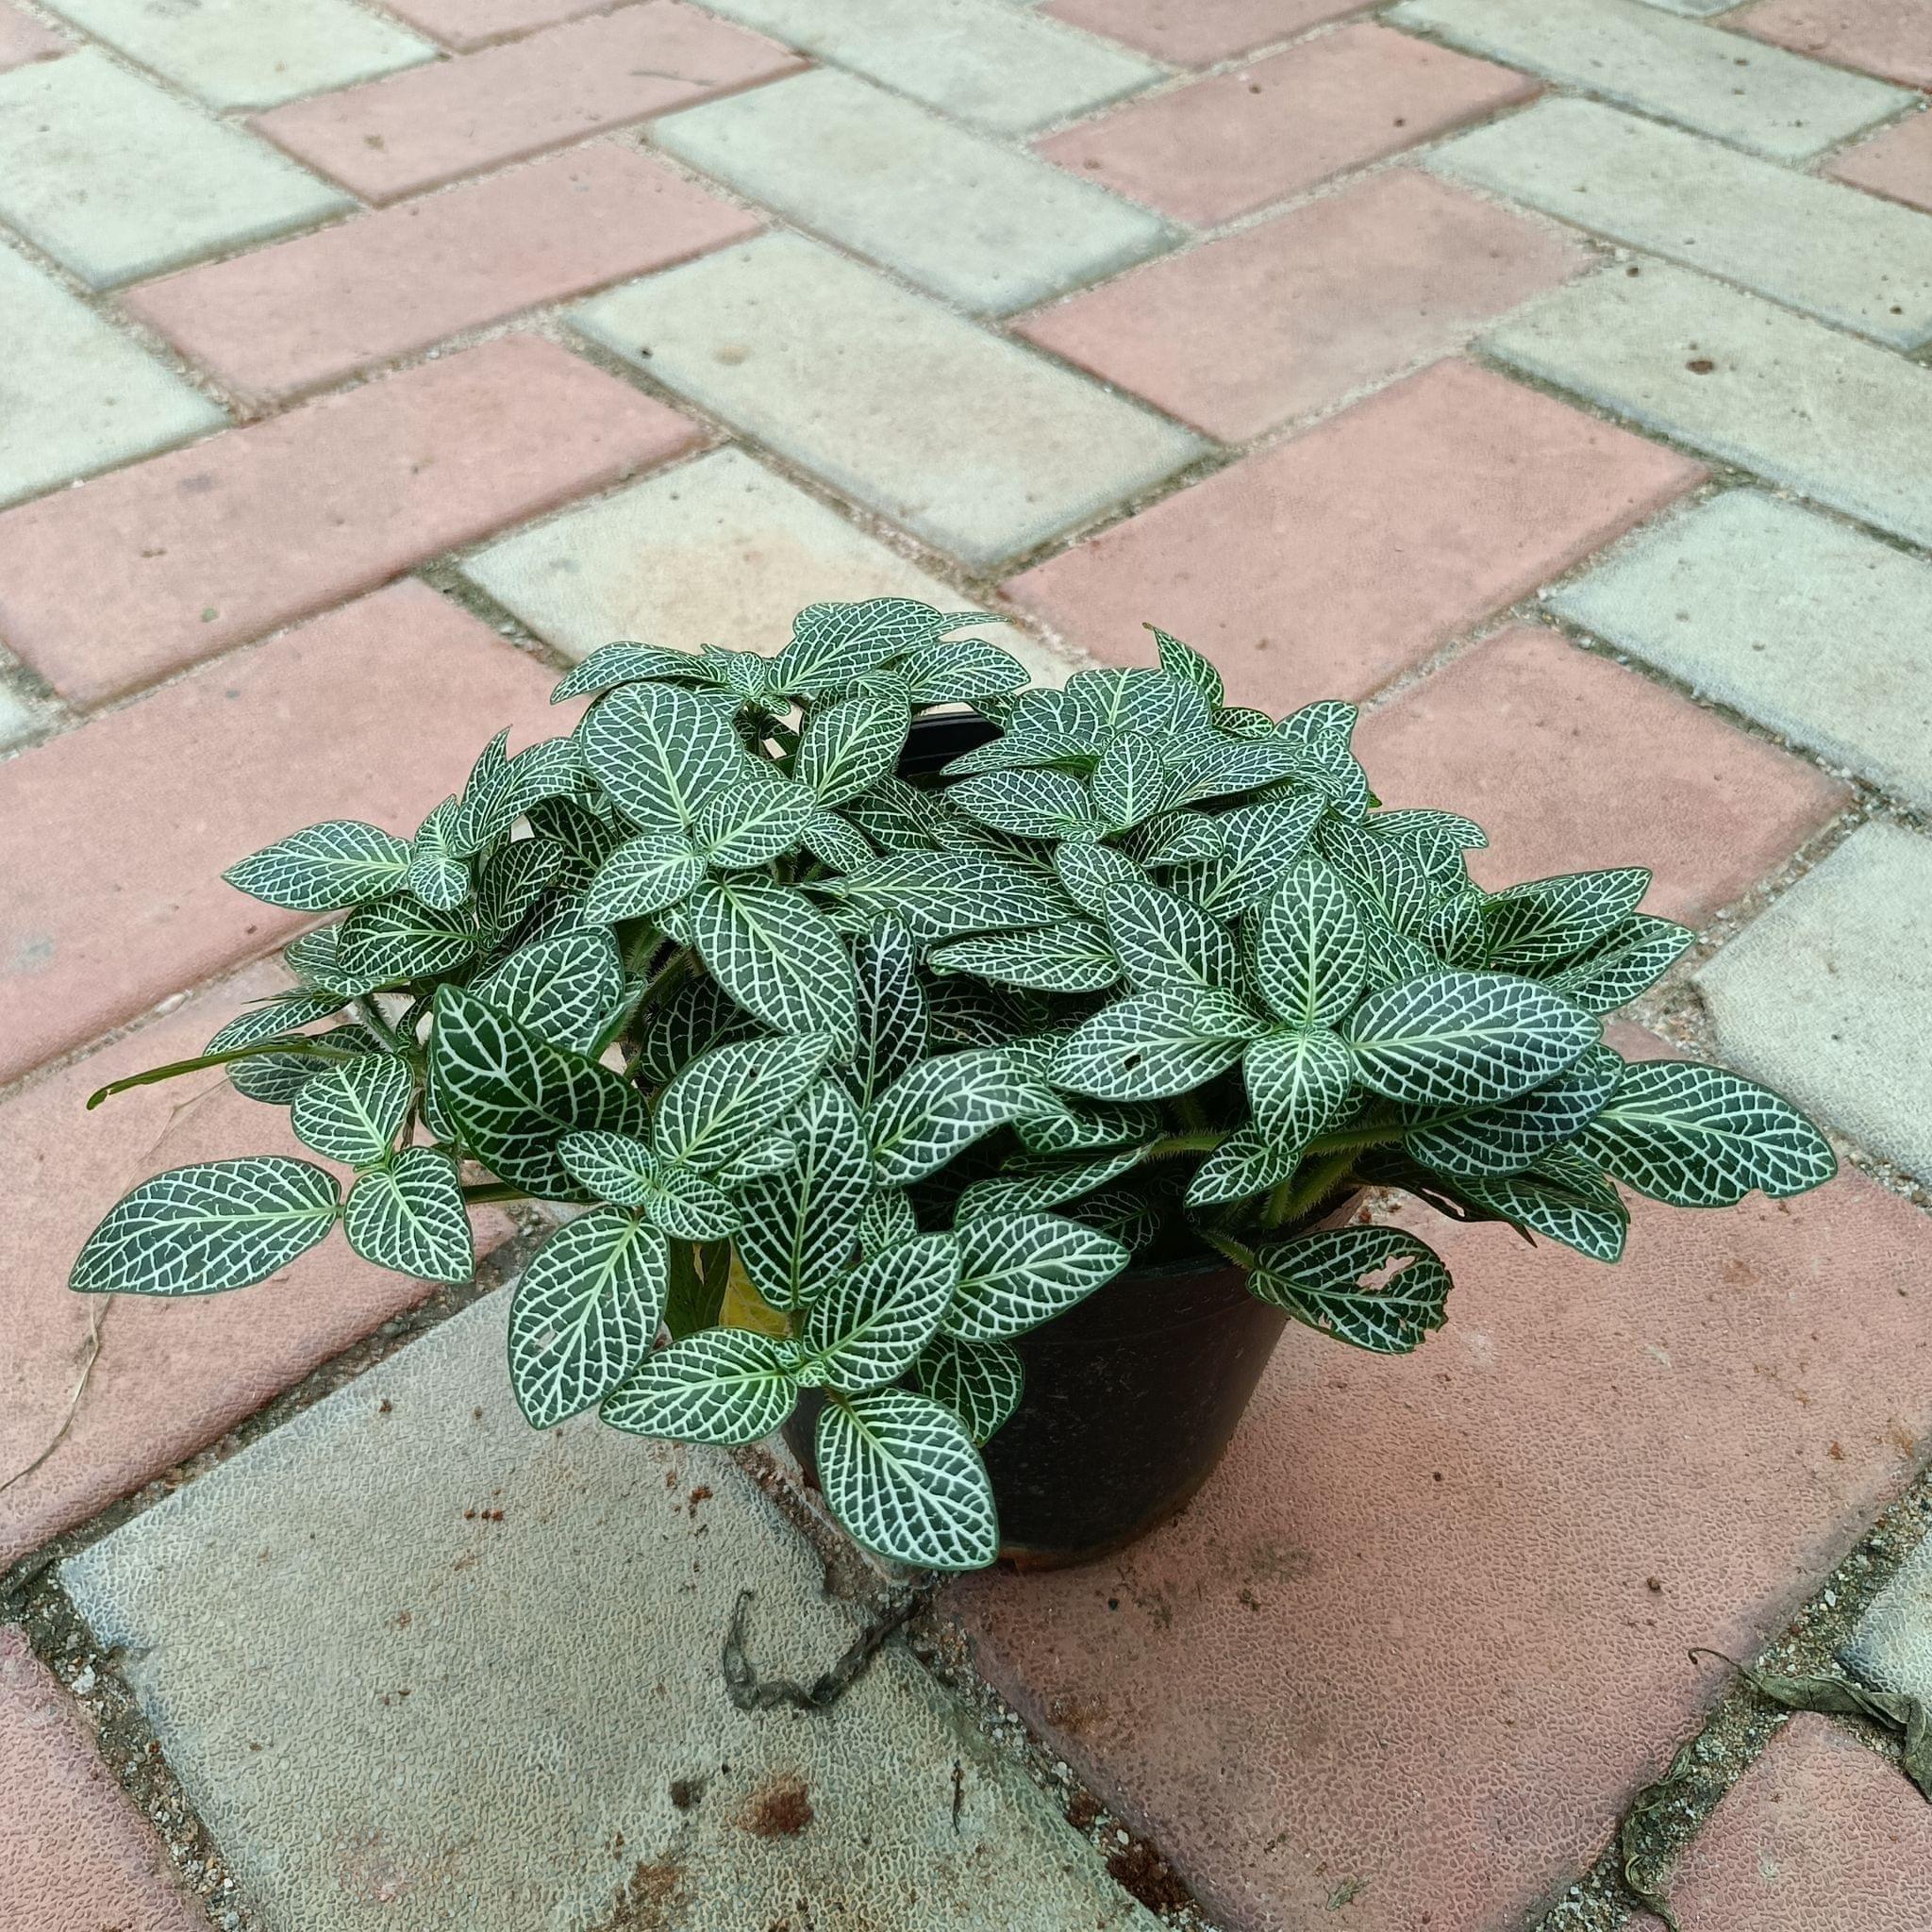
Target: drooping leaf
x=1300 y=1083
x=778 y=957
x=939 y=895
x=343 y=862
x=354 y=1112
x=1322 y=1279
x=981 y=1382
x=847 y=747
x=901 y=1472
x=1699 y=1137
x=1465 y=1039
x=1161 y=941
x=938 y=1107
x=868 y=1325
x=1018 y=1270
x=1496 y=1141
x=753 y=822
x=1565 y=1200
x=585 y=1313
x=512 y=1094
x=1155 y=1044
x=1310 y=956
x=726 y=1386
x=400 y=938
x=1628 y=963
x=1538 y=926
x=1071 y=956
x=563 y=988
x=643 y=875
x=215 y=1226
x=661 y=752
x=728 y=1099
x=801 y=1225
x=408 y=1216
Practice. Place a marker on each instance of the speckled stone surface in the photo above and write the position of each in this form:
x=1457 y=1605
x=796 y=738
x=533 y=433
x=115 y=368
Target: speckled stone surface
x=1892 y=1646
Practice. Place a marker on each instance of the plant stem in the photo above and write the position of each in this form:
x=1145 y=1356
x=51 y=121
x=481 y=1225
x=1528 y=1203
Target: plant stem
x=371 y=1013
x=673 y=969
x=1353 y=1138
x=1237 y=1252
x=1306 y=1188
x=478 y=1192
x=1202 y=1141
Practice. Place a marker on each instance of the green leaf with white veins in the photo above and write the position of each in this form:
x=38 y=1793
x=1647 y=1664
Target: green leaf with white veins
x=726 y=1386
x=662 y=752
x=1184 y=663
x=1129 y=783
x=1017 y=1271
x=1179 y=838
x=753 y=822
x=1697 y=1137
x=981 y=1383
x=585 y=839
x=1390 y=879
x=1162 y=940
x=354 y=1112
x=869 y=1326
x=1491 y=1141
x=511 y=1093
x=1071 y=956
x=274 y=1019
x=276 y=1079
x=957 y=673
x=801 y=1224
x=1322 y=1279
x=899 y=817
x=939 y=895
x=894 y=1016
x=728 y=1099
x=1037 y=1188
x=847 y=747
x=1310 y=956
x=1090 y=874
x=487 y=806
x=400 y=938
x=1243 y=1166
x=1628 y=963
x=563 y=988
x=937 y=1108
x=585 y=1313
x=410 y=1217
x=1300 y=1083
x=610 y=665
x=832 y=643
x=1465 y=1039
x=1028 y=804
x=215 y=1226
x=901 y=1472
x=1153 y=1045
x=888 y=1220
x=1218 y=767
x=776 y=956
x=513 y=879
x=835 y=843
x=1573 y=1204
x=643 y=875
x=1259 y=841
x=1538 y=926
x=436 y=876
x=617 y=1167
x=343 y=862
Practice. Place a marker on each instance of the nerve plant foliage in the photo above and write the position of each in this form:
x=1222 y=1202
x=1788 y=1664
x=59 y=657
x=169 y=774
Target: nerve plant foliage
x=928 y=1063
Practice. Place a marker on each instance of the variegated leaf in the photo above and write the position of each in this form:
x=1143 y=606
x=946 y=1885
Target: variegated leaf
x=960 y=672
x=513 y=879
x=438 y=874
x=399 y=939
x=1028 y=804
x=1699 y=1137
x=585 y=1313
x=1628 y=963
x=671 y=1031
x=551 y=768
x=1182 y=661
x=1322 y=1279
x=834 y=842
x=894 y=1020
x=1043 y=1187
x=1071 y=956
x=868 y=1325
x=937 y=1108
x=1454 y=931
x=726 y=1386
x=899 y=817
x=1129 y=782
x=888 y=1219
x=643 y=875
x=1090 y=874
x=1564 y=1199
x=276 y=1079
x=215 y=1226
x=1495 y=1140
x=408 y=1216
x=847 y=747
x=1300 y=1083
x=1018 y=1270
x=1388 y=877
x=801 y=1224
x=618 y=1168
x=1259 y=841
x=1465 y=1039
x=343 y=862
x=354 y=1112
x=1074 y=1124
x=901 y=1472
x=1161 y=941
x=1311 y=954
x=563 y=988
x=834 y=643
x=754 y=821
x=938 y=895
x=728 y=1099
x=981 y=1382
x=1216 y=766
x=1243 y=1166
x=778 y=957
x=610 y=665
x=1179 y=838
x=1153 y=1045
x=661 y=752
x=585 y=837
x=1540 y=926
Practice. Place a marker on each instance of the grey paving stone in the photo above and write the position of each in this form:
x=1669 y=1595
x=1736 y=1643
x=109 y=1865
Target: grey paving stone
x=1892 y=1648
x=1757 y=96
x=718 y=551
x=1816 y=245
x=962 y=437
x=416 y=1664
x=118 y=180
x=959 y=213
x=18 y=719
x=252 y=53
x=986 y=61
x=1838 y=419
x=1815 y=629
x=1828 y=996
x=75 y=394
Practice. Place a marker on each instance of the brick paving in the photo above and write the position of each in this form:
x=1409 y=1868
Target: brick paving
x=1548 y=375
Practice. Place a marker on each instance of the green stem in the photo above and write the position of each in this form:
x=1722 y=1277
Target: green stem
x=372 y=1015
x=673 y=969
x=1353 y=1137
x=300 y=1043
x=1307 y=1187
x=1237 y=1252
x=1202 y=1141
x=494 y=1190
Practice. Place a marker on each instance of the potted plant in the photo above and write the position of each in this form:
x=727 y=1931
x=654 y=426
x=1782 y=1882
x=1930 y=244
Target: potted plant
x=1001 y=1077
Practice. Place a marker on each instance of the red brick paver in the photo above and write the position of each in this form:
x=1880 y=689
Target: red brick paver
x=467 y=23
x=1193 y=33
x=111 y=836
x=1891 y=37
x=172 y=1375
x=1237 y=141
x=302 y=313
x=107 y=587
x=1322 y=567
x=1404 y=1648
x=1568 y=759
x=431 y=124
x=1286 y=318
x=1897 y=163
x=23 y=39
x=1821 y=1835
x=74 y=1855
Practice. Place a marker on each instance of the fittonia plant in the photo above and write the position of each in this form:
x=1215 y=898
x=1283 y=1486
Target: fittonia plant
x=928 y=1064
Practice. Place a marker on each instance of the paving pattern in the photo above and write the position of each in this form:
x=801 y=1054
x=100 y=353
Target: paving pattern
x=1551 y=376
